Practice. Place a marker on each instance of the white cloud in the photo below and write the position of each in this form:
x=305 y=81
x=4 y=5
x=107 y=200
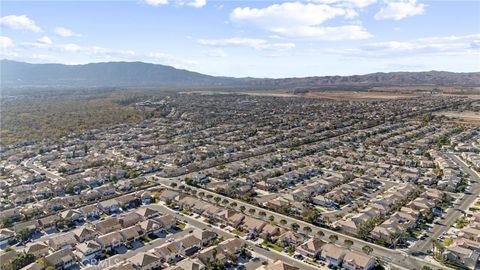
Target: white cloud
x=289 y=14
x=65 y=32
x=44 y=40
x=429 y=45
x=344 y=32
x=6 y=42
x=348 y=3
x=197 y=3
x=255 y=43
x=70 y=47
x=215 y=53
x=295 y=19
x=398 y=10
x=156 y=2
x=21 y=22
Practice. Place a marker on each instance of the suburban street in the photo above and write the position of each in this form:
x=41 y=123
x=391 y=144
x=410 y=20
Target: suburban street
x=453 y=213
x=399 y=259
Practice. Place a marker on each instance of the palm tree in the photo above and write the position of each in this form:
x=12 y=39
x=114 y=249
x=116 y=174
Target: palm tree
x=367 y=249
x=333 y=238
x=348 y=242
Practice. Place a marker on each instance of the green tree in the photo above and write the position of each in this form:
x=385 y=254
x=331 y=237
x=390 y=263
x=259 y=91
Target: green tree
x=333 y=238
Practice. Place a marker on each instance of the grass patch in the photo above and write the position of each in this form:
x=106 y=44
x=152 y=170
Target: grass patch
x=272 y=246
x=238 y=232
x=448 y=241
x=146 y=239
x=461 y=223
x=181 y=226
x=185 y=212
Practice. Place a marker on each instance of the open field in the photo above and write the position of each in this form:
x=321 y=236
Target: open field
x=348 y=95
x=466 y=116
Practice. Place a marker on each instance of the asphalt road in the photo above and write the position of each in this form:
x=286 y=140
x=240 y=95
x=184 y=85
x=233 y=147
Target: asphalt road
x=452 y=213
x=227 y=235
x=396 y=258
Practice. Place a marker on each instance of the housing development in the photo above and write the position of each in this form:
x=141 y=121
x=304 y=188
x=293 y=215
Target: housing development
x=251 y=181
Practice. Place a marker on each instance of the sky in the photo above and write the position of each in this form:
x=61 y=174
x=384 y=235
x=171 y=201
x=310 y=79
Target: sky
x=248 y=38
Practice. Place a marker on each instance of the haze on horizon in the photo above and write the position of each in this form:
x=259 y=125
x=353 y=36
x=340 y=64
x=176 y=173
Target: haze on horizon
x=248 y=38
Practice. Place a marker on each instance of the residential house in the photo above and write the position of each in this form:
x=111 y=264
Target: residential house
x=145 y=261
x=110 y=241
x=147 y=212
x=150 y=226
x=6 y=235
x=61 y=259
x=166 y=221
x=84 y=233
x=61 y=241
x=131 y=234
x=109 y=206
x=191 y=264
x=170 y=252
x=38 y=249
x=357 y=261
x=311 y=248
x=280 y=265
x=333 y=254
x=87 y=251
x=130 y=219
x=90 y=211
x=108 y=225
x=205 y=236
x=72 y=215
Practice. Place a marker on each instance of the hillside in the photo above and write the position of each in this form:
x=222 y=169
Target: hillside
x=17 y=74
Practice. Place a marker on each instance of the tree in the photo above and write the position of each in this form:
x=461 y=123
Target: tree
x=233 y=204
x=294 y=227
x=217 y=199
x=307 y=229
x=348 y=242
x=283 y=222
x=242 y=208
x=367 y=249
x=173 y=185
x=225 y=202
x=333 y=238
x=262 y=213
x=320 y=233
x=251 y=211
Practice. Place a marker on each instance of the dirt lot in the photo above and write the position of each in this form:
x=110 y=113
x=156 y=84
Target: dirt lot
x=349 y=95
x=466 y=116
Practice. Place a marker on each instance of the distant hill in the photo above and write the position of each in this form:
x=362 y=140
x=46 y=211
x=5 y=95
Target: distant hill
x=113 y=74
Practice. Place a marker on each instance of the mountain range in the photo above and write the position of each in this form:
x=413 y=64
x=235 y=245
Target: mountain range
x=139 y=74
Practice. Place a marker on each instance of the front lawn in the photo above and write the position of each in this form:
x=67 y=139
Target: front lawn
x=185 y=212
x=181 y=226
x=272 y=246
x=238 y=232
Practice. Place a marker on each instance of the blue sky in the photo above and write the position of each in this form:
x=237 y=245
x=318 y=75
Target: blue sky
x=248 y=38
